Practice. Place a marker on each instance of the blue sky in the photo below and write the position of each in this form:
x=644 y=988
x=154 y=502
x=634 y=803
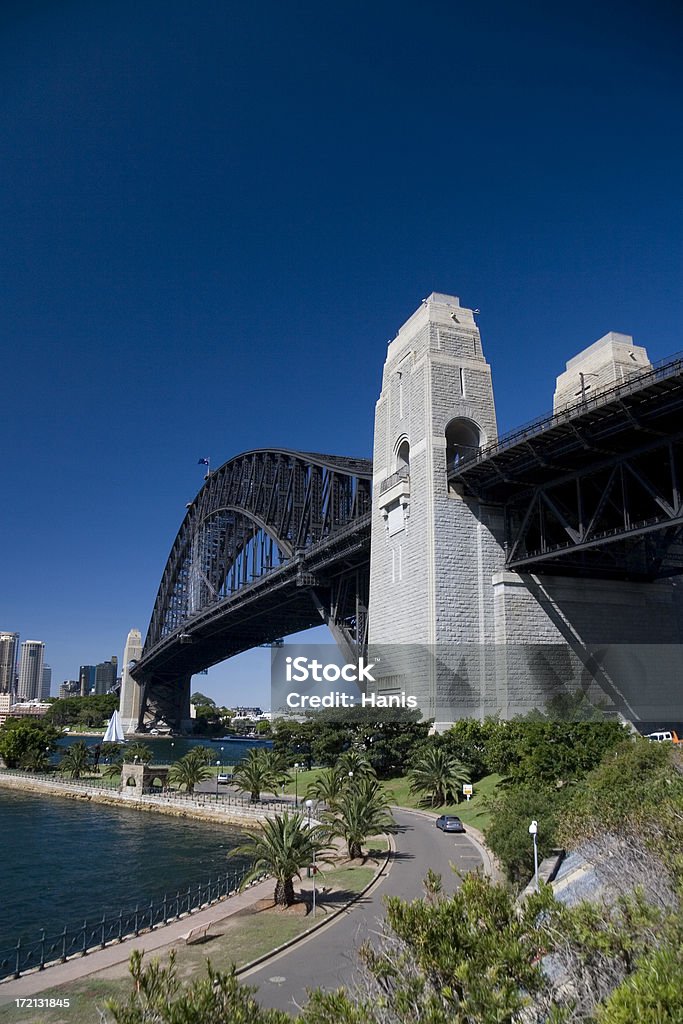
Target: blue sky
x=214 y=218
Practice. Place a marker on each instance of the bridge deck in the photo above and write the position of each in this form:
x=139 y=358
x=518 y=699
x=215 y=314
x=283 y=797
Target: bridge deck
x=619 y=421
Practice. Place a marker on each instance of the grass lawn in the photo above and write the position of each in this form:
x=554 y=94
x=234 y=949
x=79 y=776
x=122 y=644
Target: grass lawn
x=303 y=781
x=239 y=940
x=474 y=812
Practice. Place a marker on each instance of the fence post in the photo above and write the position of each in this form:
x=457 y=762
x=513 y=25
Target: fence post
x=151 y=915
x=188 y=899
x=177 y=904
x=199 y=895
x=102 y=942
x=165 y=910
x=17 y=966
x=84 y=946
x=120 y=935
x=41 y=965
x=63 y=956
x=136 y=929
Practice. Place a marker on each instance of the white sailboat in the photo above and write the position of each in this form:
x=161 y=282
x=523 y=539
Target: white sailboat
x=114 y=733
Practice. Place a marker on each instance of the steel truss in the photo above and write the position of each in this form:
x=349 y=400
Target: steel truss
x=593 y=490
x=273 y=542
x=622 y=516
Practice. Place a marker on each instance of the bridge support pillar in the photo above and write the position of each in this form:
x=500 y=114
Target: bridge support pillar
x=166 y=704
x=432 y=552
x=131 y=692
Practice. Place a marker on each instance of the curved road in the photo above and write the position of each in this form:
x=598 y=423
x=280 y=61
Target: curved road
x=327 y=958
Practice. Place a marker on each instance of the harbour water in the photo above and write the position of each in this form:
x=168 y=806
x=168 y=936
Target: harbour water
x=68 y=860
x=166 y=751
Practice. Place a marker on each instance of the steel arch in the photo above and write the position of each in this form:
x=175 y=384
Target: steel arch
x=295 y=499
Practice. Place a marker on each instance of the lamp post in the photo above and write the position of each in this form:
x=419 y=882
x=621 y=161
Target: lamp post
x=296 y=784
x=218 y=768
x=309 y=806
x=533 y=831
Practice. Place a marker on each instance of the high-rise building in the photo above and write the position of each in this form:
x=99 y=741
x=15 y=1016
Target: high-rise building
x=9 y=648
x=70 y=688
x=46 y=683
x=31 y=670
x=105 y=675
x=86 y=678
x=129 y=705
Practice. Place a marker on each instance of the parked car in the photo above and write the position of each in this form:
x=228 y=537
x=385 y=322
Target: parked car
x=450 y=823
x=665 y=736
x=224 y=778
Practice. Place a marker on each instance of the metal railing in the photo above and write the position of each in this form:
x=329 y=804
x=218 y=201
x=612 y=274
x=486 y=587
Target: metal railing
x=661 y=370
x=46 y=951
x=97 y=781
x=401 y=474
x=201 y=798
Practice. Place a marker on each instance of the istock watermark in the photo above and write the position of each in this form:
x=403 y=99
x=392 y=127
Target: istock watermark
x=312 y=677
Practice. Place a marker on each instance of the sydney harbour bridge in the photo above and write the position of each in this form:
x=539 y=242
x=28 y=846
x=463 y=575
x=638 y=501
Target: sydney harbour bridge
x=278 y=541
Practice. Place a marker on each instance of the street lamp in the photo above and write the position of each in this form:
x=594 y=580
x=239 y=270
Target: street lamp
x=309 y=806
x=533 y=831
x=218 y=767
x=296 y=784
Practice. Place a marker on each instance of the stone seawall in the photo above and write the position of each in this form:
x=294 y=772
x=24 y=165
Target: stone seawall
x=230 y=814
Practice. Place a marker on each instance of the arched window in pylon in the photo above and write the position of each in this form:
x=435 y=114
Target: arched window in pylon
x=403 y=455
x=463 y=439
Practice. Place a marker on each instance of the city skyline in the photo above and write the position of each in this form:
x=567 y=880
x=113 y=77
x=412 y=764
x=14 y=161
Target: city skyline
x=215 y=221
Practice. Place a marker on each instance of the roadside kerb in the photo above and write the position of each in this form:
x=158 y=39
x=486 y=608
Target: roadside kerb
x=379 y=877
x=491 y=866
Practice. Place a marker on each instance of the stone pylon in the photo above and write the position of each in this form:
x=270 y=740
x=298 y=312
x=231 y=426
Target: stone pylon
x=130 y=703
x=433 y=553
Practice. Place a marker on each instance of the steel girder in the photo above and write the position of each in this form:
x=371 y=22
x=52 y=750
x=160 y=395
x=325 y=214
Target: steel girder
x=622 y=517
x=275 y=540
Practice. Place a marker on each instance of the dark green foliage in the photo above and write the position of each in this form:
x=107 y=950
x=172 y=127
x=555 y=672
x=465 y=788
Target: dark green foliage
x=635 y=778
x=159 y=996
x=190 y=769
x=76 y=760
x=87 y=712
x=360 y=810
x=561 y=752
x=508 y=835
x=260 y=770
x=110 y=751
x=26 y=743
x=653 y=994
x=387 y=738
x=439 y=775
x=282 y=849
x=468 y=741
x=137 y=751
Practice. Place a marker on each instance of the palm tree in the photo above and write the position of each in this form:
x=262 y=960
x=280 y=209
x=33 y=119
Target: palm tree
x=360 y=811
x=282 y=849
x=260 y=770
x=113 y=768
x=327 y=787
x=138 y=751
x=438 y=774
x=35 y=761
x=75 y=761
x=189 y=770
x=356 y=764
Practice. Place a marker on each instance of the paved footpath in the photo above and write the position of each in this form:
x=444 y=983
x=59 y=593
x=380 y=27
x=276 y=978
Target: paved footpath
x=118 y=954
x=324 y=959
x=327 y=959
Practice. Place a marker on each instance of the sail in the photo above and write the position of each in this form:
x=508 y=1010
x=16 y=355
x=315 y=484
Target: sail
x=114 y=733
